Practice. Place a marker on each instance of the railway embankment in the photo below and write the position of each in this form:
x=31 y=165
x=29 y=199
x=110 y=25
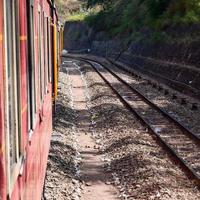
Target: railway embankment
x=173 y=59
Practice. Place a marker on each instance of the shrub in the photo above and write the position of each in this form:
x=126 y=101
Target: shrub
x=124 y=16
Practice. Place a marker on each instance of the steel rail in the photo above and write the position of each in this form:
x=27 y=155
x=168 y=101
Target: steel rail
x=181 y=125
x=196 y=92
x=142 y=119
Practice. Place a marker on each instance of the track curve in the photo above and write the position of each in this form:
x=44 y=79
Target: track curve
x=176 y=138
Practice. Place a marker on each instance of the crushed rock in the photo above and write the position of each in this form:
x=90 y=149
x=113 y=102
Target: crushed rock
x=138 y=166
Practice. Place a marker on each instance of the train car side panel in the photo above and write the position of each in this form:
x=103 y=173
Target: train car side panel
x=27 y=70
x=36 y=135
x=2 y=133
x=38 y=148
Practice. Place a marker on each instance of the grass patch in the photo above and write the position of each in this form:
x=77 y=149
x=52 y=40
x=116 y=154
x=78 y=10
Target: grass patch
x=77 y=16
x=85 y=15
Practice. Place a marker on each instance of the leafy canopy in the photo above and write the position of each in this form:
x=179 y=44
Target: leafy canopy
x=127 y=15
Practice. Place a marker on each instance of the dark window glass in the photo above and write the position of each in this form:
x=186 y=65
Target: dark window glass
x=31 y=87
x=13 y=77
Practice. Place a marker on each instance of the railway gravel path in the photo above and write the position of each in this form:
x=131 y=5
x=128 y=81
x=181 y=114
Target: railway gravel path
x=102 y=146
x=62 y=177
x=92 y=171
x=141 y=169
x=88 y=180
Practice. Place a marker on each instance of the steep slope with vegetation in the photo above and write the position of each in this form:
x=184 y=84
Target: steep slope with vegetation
x=66 y=8
x=128 y=15
x=158 y=37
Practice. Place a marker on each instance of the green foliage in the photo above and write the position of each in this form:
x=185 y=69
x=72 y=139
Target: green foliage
x=67 y=8
x=98 y=21
x=104 y=3
x=156 y=7
x=79 y=16
x=184 y=11
x=124 y=16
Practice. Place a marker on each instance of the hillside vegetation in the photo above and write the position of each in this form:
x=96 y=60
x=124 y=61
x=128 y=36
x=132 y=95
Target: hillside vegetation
x=136 y=19
x=67 y=8
x=119 y=16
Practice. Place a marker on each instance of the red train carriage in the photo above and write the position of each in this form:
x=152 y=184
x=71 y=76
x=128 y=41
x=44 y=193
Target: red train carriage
x=29 y=57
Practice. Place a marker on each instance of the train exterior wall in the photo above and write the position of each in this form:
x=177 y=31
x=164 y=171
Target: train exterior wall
x=26 y=181
x=29 y=184
x=2 y=132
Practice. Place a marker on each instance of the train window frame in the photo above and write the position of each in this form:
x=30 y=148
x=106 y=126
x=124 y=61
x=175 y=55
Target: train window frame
x=45 y=52
x=40 y=64
x=13 y=91
x=42 y=56
x=31 y=70
x=58 y=44
x=50 y=53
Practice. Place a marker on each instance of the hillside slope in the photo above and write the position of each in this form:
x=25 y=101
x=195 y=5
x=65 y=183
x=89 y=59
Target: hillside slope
x=163 y=44
x=67 y=7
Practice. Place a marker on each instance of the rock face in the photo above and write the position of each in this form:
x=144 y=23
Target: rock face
x=77 y=36
x=174 y=63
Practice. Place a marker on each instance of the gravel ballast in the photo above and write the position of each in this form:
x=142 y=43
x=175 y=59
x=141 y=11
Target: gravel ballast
x=139 y=168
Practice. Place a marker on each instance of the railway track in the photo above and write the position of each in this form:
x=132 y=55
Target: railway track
x=183 y=144
x=127 y=80
x=192 y=91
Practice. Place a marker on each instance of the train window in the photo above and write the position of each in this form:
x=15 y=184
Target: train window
x=40 y=55
x=31 y=66
x=45 y=53
x=49 y=49
x=58 y=44
x=13 y=84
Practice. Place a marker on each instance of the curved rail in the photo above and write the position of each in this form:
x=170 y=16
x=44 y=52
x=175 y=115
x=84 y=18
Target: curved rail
x=193 y=92
x=180 y=141
x=181 y=125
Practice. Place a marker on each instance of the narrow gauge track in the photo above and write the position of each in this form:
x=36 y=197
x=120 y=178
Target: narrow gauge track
x=196 y=93
x=180 y=124
x=196 y=135
x=182 y=143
